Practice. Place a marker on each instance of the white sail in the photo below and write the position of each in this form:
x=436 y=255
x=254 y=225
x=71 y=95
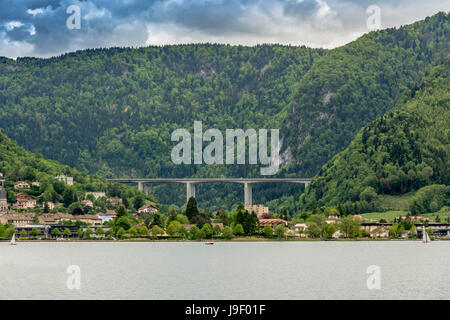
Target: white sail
x=13 y=239
x=426 y=237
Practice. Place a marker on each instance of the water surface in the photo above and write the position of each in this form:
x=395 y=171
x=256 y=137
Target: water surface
x=228 y=270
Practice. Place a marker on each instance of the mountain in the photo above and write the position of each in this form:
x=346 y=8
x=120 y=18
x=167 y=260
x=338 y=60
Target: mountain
x=403 y=151
x=18 y=164
x=112 y=111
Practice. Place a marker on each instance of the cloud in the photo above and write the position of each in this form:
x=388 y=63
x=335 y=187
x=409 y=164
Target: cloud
x=38 y=27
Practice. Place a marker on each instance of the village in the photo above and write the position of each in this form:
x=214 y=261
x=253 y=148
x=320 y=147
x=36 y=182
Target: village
x=32 y=219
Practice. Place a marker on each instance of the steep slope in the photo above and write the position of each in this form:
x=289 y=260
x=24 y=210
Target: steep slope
x=17 y=164
x=112 y=111
x=357 y=83
x=402 y=151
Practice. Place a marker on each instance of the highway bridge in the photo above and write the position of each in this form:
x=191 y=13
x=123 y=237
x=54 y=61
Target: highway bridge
x=191 y=182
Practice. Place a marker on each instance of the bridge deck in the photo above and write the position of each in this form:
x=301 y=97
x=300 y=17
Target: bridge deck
x=211 y=180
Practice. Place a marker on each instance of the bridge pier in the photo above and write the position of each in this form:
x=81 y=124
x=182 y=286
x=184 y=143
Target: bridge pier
x=140 y=186
x=248 y=201
x=190 y=190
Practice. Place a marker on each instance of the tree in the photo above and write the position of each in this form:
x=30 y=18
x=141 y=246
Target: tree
x=316 y=226
x=143 y=231
x=23 y=233
x=46 y=208
x=34 y=232
x=172 y=230
x=68 y=197
x=133 y=231
x=350 y=226
x=181 y=218
x=87 y=233
x=207 y=230
x=56 y=233
x=227 y=233
x=157 y=231
x=217 y=230
x=193 y=232
x=330 y=230
x=280 y=231
x=268 y=231
x=67 y=233
x=182 y=231
x=79 y=233
x=200 y=235
x=100 y=232
x=122 y=222
x=121 y=212
x=138 y=201
x=121 y=233
x=238 y=230
x=191 y=209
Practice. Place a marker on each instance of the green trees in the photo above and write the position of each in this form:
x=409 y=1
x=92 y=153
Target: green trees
x=157 y=231
x=136 y=97
x=88 y=233
x=100 y=232
x=430 y=199
x=316 y=226
x=280 y=231
x=56 y=233
x=66 y=233
x=268 y=231
x=23 y=233
x=248 y=221
x=238 y=230
x=350 y=227
x=227 y=233
x=191 y=209
x=34 y=232
x=404 y=150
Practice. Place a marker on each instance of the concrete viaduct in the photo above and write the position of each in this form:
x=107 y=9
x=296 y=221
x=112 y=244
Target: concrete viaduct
x=191 y=182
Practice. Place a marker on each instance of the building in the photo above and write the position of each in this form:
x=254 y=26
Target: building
x=36 y=184
x=97 y=195
x=148 y=209
x=116 y=202
x=65 y=179
x=107 y=216
x=272 y=222
x=87 y=203
x=332 y=219
x=259 y=209
x=3 y=200
x=24 y=201
x=21 y=185
x=50 y=205
x=18 y=220
x=46 y=219
x=89 y=219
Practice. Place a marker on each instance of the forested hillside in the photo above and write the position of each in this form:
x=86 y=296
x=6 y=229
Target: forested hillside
x=402 y=151
x=112 y=111
x=17 y=164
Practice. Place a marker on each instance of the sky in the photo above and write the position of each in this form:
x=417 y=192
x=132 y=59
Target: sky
x=44 y=28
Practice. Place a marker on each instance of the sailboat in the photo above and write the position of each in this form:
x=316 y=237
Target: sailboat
x=426 y=237
x=13 y=240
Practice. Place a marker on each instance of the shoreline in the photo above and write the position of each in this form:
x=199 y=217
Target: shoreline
x=217 y=241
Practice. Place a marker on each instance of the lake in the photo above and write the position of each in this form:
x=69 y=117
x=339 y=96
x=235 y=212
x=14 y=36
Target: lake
x=226 y=270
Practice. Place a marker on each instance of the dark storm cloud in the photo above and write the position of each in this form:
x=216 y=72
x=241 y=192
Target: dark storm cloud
x=38 y=27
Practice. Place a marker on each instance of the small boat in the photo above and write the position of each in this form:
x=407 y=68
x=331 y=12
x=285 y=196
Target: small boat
x=13 y=240
x=209 y=243
x=426 y=237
